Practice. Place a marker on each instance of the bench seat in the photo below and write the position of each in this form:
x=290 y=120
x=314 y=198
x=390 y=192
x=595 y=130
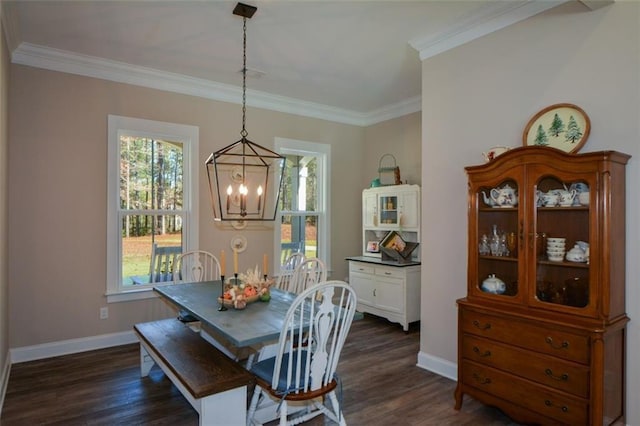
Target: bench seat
x=215 y=385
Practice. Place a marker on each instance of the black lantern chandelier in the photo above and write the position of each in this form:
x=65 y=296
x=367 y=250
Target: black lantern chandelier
x=244 y=177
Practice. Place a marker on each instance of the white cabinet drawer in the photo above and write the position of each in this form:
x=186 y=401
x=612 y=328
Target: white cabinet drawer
x=390 y=272
x=363 y=268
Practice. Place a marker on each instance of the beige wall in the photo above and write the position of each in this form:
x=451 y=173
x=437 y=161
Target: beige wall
x=482 y=94
x=400 y=137
x=4 y=286
x=57 y=195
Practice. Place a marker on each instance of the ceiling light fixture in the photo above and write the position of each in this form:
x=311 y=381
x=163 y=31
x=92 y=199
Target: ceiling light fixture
x=244 y=177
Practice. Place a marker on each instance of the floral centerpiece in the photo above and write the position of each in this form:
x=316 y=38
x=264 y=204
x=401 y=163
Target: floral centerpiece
x=248 y=287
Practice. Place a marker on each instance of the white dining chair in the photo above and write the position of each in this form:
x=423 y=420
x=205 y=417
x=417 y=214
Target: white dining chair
x=287 y=269
x=303 y=372
x=195 y=266
x=310 y=272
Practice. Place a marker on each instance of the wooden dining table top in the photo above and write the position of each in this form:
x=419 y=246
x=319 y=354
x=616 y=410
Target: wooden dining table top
x=259 y=322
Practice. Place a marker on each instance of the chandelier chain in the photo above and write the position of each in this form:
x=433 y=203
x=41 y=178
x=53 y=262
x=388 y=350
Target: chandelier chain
x=244 y=133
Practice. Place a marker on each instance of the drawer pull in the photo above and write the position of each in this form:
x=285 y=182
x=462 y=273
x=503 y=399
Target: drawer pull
x=481 y=380
x=563 y=345
x=476 y=323
x=563 y=408
x=387 y=273
x=483 y=355
x=563 y=378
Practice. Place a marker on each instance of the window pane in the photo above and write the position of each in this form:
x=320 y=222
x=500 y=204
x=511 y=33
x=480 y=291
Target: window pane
x=300 y=184
x=139 y=233
x=299 y=233
x=150 y=174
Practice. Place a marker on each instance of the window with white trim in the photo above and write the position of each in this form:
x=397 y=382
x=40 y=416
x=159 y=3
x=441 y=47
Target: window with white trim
x=152 y=202
x=303 y=220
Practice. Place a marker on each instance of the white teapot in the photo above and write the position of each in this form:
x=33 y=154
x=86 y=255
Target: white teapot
x=565 y=197
x=576 y=254
x=505 y=196
x=493 y=285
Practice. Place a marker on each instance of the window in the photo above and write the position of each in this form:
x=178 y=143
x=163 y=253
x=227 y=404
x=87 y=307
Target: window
x=152 y=202
x=303 y=219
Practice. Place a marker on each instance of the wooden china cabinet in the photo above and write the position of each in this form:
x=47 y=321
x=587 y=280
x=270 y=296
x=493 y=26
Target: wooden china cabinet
x=548 y=346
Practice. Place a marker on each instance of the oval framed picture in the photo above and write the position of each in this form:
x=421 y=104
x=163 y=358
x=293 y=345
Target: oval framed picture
x=562 y=126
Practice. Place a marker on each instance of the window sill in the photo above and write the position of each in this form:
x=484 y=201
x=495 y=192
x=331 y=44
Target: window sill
x=127 y=296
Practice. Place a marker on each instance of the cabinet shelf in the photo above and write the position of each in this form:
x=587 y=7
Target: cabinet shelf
x=500 y=258
x=564 y=264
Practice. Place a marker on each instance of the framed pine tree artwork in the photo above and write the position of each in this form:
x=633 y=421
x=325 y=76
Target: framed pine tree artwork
x=562 y=126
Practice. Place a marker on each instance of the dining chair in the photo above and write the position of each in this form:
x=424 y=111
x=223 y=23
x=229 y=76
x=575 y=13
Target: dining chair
x=303 y=372
x=310 y=272
x=196 y=266
x=287 y=269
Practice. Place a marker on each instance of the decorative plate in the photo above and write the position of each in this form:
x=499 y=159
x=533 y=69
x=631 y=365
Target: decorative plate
x=562 y=126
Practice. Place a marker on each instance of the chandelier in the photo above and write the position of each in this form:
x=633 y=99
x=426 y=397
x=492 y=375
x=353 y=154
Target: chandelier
x=244 y=177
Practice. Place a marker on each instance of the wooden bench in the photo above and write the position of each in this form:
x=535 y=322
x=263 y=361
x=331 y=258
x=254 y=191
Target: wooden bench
x=214 y=385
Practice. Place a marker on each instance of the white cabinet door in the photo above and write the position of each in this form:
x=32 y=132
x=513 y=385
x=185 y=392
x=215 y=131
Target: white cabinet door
x=369 y=209
x=364 y=287
x=409 y=209
x=390 y=294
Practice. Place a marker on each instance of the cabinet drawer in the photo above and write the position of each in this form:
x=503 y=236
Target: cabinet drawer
x=390 y=272
x=562 y=407
x=551 y=371
x=363 y=268
x=519 y=333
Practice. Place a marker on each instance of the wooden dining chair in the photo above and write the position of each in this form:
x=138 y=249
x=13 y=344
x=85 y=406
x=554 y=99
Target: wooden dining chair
x=303 y=372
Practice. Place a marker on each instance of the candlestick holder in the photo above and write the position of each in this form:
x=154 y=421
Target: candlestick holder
x=222 y=307
x=265 y=278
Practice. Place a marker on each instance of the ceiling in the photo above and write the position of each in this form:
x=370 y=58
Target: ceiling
x=357 y=62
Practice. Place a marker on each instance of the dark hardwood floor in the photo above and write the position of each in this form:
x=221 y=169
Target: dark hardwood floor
x=381 y=386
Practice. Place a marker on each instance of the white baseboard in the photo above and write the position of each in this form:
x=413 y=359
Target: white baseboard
x=65 y=347
x=438 y=365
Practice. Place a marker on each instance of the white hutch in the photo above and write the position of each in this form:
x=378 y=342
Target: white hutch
x=387 y=287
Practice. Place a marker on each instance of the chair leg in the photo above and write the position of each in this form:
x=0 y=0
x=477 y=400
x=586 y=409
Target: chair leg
x=283 y=413
x=257 y=392
x=337 y=409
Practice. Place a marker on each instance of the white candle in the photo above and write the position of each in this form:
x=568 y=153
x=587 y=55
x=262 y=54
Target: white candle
x=223 y=261
x=235 y=261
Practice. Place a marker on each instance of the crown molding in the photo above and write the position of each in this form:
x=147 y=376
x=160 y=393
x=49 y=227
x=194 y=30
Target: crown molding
x=490 y=18
x=90 y=66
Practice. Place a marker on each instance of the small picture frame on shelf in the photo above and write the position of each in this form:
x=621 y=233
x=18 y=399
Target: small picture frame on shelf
x=562 y=126
x=373 y=247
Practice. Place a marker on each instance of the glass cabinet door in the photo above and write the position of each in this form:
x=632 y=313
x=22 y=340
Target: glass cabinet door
x=497 y=238
x=388 y=208
x=562 y=239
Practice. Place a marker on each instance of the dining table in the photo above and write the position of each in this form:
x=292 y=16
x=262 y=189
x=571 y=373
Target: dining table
x=257 y=323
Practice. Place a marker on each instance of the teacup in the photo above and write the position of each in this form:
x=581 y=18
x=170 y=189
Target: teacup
x=555 y=252
x=565 y=198
x=550 y=199
x=556 y=240
x=556 y=246
x=583 y=198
